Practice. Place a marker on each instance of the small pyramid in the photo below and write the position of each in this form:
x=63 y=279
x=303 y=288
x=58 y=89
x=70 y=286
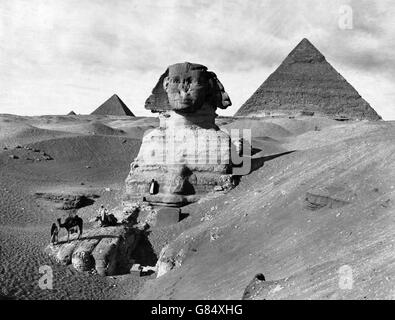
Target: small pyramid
x=71 y=113
x=306 y=82
x=114 y=106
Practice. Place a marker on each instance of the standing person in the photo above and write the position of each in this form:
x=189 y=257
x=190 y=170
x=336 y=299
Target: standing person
x=103 y=215
x=54 y=233
x=153 y=188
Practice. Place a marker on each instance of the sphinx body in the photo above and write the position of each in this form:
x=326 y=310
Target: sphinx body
x=188 y=155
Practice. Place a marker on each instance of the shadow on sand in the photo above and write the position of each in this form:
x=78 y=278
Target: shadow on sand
x=258 y=162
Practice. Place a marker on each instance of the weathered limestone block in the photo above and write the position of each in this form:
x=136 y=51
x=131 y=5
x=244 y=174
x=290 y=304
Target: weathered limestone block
x=127 y=214
x=165 y=262
x=136 y=214
x=105 y=256
x=113 y=252
x=108 y=250
x=82 y=258
x=62 y=253
x=199 y=149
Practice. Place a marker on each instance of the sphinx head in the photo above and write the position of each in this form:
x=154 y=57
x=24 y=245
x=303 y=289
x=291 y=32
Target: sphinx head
x=185 y=88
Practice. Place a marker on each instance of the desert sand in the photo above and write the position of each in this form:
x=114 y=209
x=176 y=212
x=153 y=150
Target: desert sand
x=327 y=204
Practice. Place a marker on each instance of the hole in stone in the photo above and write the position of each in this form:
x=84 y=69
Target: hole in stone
x=260 y=277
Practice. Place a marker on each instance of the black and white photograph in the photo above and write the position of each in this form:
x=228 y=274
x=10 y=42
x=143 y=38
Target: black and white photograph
x=204 y=150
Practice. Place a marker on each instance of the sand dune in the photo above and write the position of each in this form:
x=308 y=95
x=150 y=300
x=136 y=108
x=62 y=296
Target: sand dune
x=94 y=127
x=268 y=146
x=259 y=128
x=12 y=134
x=283 y=238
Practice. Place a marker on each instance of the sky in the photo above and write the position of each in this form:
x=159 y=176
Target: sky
x=63 y=55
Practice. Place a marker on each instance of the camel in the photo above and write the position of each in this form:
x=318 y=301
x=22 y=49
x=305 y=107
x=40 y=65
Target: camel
x=70 y=223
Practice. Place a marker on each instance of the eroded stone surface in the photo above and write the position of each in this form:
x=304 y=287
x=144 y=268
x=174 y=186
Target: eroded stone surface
x=187 y=155
x=68 y=201
x=107 y=250
x=202 y=86
x=261 y=289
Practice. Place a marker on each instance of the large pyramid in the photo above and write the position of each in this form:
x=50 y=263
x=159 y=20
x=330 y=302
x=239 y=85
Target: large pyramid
x=114 y=106
x=305 y=81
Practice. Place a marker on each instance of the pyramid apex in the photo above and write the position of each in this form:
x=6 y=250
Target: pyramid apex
x=304 y=52
x=305 y=40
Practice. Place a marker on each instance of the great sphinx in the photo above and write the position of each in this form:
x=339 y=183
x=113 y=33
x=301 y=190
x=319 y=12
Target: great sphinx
x=188 y=155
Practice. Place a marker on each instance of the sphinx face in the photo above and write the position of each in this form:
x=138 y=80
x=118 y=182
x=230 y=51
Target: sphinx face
x=187 y=90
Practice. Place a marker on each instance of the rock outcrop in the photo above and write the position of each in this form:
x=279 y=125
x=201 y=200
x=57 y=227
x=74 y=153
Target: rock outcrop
x=68 y=201
x=306 y=83
x=261 y=289
x=106 y=250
